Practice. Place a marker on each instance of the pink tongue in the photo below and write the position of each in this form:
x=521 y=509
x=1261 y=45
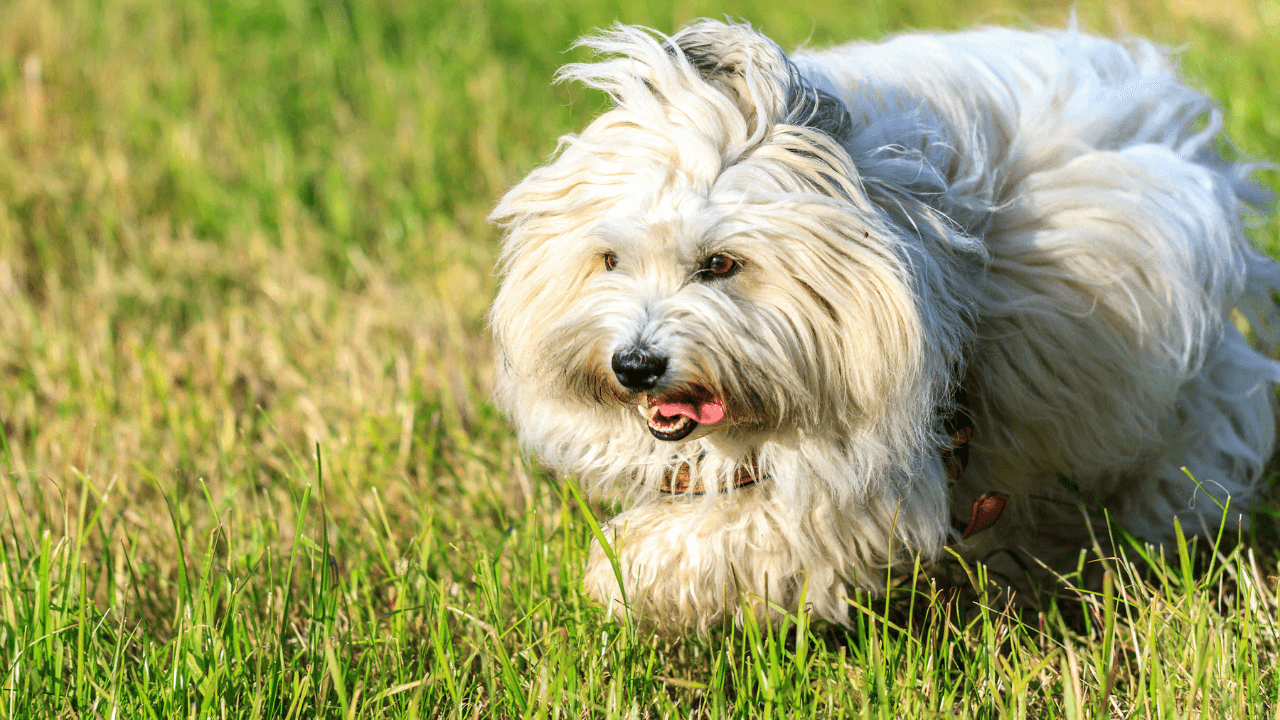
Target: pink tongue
x=708 y=413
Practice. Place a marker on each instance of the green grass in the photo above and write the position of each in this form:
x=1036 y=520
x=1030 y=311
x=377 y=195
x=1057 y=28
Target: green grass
x=249 y=467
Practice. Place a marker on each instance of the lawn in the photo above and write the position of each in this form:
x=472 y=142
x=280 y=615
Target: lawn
x=248 y=462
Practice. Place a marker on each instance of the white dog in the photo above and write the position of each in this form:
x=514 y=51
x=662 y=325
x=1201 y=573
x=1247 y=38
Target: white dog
x=757 y=299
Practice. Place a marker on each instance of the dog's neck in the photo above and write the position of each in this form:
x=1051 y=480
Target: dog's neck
x=986 y=510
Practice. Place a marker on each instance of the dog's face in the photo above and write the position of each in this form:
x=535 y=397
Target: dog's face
x=703 y=259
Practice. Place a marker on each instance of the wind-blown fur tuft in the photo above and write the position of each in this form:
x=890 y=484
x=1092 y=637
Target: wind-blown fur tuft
x=1041 y=219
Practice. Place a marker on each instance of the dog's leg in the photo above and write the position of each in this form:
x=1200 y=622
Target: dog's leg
x=690 y=564
x=683 y=564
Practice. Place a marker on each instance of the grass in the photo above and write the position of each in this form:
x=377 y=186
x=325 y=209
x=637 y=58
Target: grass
x=249 y=465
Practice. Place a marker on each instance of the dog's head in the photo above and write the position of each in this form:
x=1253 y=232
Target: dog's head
x=706 y=257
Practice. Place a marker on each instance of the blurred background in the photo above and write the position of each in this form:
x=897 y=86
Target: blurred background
x=243 y=253
x=232 y=230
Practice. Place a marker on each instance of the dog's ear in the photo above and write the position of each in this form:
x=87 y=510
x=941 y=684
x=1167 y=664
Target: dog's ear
x=739 y=61
x=811 y=107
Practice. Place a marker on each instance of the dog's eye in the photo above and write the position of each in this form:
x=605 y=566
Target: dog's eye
x=719 y=265
x=610 y=260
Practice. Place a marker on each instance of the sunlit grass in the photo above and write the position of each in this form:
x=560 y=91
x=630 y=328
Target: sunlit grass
x=249 y=465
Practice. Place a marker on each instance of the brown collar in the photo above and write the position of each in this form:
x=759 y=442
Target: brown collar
x=678 y=482
x=989 y=506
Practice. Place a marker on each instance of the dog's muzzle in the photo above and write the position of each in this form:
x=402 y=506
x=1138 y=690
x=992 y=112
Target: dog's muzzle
x=675 y=415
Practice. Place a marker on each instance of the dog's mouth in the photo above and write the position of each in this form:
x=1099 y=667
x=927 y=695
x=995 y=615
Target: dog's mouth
x=675 y=416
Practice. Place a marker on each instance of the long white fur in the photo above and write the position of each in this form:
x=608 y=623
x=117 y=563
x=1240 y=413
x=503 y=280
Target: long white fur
x=1041 y=217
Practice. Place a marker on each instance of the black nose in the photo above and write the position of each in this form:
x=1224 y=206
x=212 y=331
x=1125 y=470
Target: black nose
x=637 y=369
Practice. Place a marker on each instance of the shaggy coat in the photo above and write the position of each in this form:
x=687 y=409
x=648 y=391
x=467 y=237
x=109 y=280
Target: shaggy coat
x=797 y=264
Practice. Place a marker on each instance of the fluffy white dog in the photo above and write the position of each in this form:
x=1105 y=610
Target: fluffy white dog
x=757 y=299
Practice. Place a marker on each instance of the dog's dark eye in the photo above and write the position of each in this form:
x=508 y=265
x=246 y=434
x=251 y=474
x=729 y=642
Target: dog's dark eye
x=719 y=265
x=610 y=260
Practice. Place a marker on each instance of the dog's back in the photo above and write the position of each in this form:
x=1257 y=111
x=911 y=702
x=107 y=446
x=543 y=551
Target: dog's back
x=1113 y=228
